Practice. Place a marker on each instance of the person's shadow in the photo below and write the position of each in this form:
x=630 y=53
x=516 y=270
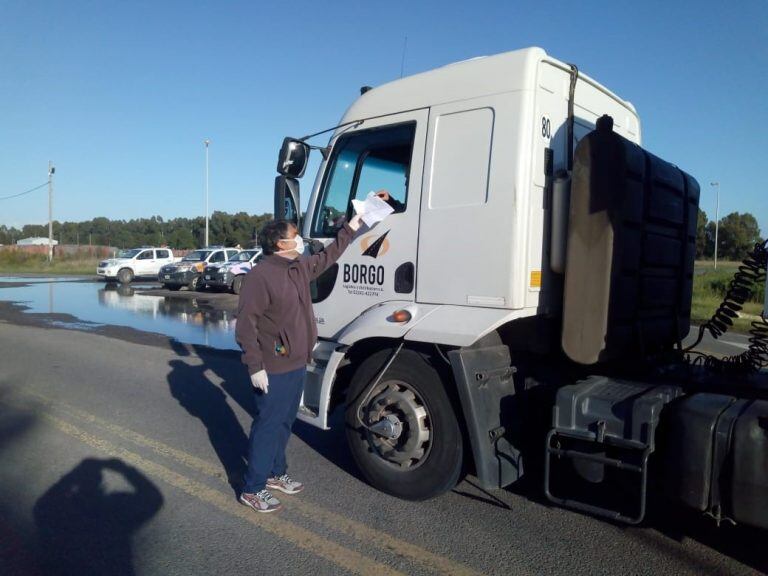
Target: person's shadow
x=86 y=529
x=204 y=400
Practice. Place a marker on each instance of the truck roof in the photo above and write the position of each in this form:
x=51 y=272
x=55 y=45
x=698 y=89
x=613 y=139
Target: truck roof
x=481 y=76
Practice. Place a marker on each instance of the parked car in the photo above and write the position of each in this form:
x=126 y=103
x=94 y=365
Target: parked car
x=230 y=274
x=135 y=263
x=189 y=272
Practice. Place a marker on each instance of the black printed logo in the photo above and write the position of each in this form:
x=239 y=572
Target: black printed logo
x=377 y=247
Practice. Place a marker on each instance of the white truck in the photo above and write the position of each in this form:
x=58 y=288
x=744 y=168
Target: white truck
x=521 y=311
x=141 y=262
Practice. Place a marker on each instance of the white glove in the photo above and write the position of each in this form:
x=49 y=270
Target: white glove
x=260 y=381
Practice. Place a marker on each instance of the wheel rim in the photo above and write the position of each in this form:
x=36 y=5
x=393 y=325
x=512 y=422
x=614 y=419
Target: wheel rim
x=400 y=408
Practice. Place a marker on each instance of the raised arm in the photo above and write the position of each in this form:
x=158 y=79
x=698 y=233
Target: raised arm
x=319 y=263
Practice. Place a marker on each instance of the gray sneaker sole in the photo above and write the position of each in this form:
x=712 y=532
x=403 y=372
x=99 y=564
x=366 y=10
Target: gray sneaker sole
x=283 y=490
x=260 y=510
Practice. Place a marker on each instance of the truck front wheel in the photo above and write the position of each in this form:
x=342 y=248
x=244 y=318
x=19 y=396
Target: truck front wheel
x=403 y=433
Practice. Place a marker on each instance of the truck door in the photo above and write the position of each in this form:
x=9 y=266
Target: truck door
x=383 y=153
x=465 y=241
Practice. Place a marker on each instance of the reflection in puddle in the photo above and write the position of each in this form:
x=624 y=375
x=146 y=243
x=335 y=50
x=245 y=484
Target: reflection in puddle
x=188 y=320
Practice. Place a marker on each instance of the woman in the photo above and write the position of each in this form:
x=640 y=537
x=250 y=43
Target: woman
x=276 y=331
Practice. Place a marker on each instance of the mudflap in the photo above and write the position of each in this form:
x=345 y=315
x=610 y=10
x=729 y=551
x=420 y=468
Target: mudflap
x=484 y=378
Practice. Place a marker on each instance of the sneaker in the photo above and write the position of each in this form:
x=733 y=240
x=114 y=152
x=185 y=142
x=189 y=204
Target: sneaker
x=261 y=501
x=285 y=484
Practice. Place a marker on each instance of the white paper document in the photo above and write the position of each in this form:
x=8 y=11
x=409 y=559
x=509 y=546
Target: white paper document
x=373 y=209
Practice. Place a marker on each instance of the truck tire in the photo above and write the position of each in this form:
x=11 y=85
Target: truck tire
x=237 y=284
x=425 y=458
x=125 y=275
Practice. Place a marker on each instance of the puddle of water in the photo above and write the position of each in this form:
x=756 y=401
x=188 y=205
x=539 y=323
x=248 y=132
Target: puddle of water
x=94 y=304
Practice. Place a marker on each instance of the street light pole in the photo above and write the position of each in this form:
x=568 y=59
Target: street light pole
x=717 y=216
x=51 y=171
x=206 y=142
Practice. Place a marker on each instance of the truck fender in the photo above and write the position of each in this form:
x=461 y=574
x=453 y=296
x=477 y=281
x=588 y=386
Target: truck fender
x=461 y=325
x=377 y=322
x=321 y=375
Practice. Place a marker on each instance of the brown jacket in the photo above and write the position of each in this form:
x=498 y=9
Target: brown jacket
x=275 y=322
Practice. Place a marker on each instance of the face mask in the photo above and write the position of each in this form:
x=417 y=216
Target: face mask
x=299 y=245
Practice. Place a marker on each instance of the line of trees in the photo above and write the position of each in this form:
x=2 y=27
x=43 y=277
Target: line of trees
x=737 y=234
x=182 y=233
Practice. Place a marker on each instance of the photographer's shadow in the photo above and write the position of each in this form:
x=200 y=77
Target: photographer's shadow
x=84 y=528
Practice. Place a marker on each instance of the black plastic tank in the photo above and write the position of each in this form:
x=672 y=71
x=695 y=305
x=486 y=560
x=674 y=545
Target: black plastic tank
x=631 y=249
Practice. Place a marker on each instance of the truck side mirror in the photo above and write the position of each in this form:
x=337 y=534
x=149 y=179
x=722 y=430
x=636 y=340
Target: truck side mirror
x=293 y=158
x=287 y=200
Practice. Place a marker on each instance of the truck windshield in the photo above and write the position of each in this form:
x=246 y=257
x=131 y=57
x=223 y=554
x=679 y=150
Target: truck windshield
x=128 y=253
x=362 y=162
x=196 y=256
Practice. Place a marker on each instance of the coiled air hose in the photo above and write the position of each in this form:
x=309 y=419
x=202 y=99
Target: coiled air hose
x=751 y=273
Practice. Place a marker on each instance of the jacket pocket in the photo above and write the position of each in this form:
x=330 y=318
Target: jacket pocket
x=283 y=345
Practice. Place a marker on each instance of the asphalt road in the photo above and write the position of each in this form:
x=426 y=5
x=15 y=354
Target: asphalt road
x=121 y=453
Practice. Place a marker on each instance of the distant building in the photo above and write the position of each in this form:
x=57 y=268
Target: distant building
x=35 y=242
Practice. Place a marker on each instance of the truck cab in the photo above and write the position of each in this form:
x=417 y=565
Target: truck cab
x=469 y=153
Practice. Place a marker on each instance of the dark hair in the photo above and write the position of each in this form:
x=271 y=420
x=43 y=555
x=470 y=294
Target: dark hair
x=272 y=233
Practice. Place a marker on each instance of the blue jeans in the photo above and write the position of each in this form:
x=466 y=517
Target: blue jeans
x=272 y=421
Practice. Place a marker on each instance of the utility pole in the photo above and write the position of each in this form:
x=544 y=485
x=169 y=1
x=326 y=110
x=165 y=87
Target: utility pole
x=717 y=216
x=51 y=171
x=206 y=142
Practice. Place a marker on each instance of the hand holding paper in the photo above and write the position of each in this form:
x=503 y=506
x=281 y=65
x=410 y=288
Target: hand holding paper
x=373 y=209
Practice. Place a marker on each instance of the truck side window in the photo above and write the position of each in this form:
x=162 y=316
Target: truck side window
x=162 y=253
x=362 y=162
x=146 y=255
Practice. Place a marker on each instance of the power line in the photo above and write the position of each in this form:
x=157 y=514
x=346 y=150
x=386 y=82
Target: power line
x=22 y=193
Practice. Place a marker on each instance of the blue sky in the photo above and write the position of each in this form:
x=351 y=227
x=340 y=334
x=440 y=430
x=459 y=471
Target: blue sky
x=121 y=95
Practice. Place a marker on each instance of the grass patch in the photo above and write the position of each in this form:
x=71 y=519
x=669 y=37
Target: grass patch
x=709 y=289
x=14 y=262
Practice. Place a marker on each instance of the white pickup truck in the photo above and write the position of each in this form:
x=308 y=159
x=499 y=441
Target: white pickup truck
x=135 y=263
